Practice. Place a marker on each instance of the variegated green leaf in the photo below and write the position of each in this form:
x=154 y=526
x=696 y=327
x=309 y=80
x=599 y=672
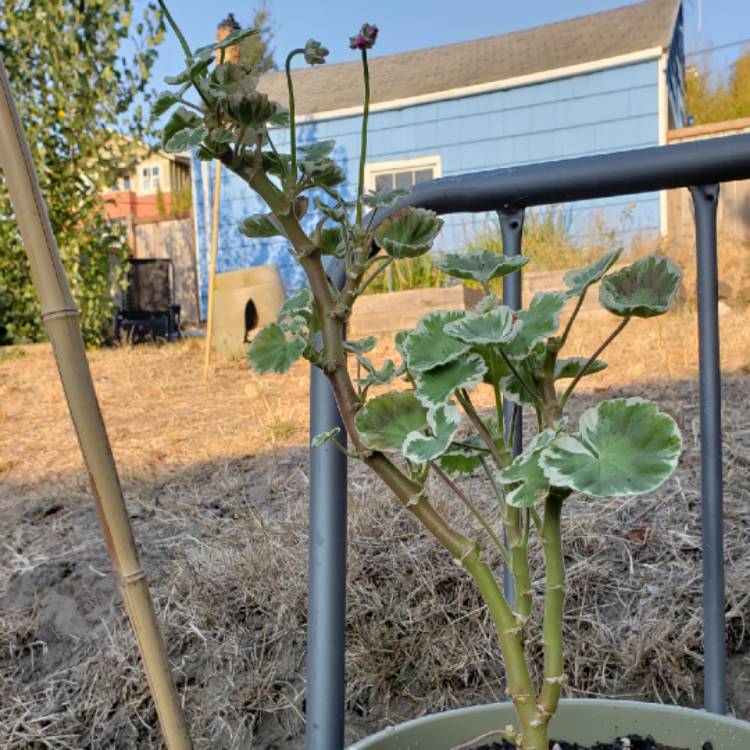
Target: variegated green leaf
x=444 y=422
x=626 y=446
x=409 y=232
x=569 y=368
x=387 y=198
x=261 y=225
x=481 y=267
x=361 y=346
x=384 y=422
x=580 y=279
x=644 y=289
x=376 y=376
x=540 y=320
x=323 y=437
x=498 y=326
x=434 y=387
x=526 y=470
x=273 y=350
x=186 y=139
x=428 y=345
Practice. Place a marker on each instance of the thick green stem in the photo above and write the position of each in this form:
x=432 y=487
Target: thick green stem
x=363 y=145
x=554 y=599
x=520 y=687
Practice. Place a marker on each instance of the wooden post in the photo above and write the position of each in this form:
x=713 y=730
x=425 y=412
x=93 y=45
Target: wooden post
x=212 y=265
x=60 y=318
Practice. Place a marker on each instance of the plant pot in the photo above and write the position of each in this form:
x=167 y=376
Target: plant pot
x=577 y=720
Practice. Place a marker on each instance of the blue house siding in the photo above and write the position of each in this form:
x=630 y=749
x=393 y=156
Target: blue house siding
x=585 y=114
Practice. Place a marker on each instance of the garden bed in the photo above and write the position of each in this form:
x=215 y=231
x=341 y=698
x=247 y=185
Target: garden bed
x=215 y=475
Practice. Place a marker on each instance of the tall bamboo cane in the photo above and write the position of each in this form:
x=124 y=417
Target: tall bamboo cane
x=60 y=318
x=212 y=266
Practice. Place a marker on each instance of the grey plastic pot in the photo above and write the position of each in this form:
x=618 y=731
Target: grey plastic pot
x=581 y=720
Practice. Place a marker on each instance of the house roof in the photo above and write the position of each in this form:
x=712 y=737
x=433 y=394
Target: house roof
x=425 y=72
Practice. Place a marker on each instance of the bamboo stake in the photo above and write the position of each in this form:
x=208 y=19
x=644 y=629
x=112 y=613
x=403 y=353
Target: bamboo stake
x=212 y=267
x=60 y=318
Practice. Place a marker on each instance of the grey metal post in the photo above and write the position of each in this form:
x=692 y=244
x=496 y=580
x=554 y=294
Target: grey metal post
x=511 y=229
x=327 y=575
x=705 y=199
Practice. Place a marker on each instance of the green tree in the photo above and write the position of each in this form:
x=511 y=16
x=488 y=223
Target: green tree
x=78 y=71
x=712 y=97
x=256 y=50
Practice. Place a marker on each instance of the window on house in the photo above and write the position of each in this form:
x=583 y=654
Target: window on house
x=150 y=178
x=126 y=183
x=402 y=174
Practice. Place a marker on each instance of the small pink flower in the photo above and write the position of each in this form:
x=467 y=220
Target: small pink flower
x=366 y=37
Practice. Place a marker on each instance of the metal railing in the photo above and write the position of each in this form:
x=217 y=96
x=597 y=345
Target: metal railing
x=699 y=166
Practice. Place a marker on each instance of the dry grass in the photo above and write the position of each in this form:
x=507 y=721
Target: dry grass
x=216 y=479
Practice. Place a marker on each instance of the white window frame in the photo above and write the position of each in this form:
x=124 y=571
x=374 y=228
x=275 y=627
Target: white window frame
x=150 y=178
x=373 y=169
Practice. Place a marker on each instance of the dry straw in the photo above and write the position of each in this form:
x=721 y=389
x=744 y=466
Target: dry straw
x=60 y=318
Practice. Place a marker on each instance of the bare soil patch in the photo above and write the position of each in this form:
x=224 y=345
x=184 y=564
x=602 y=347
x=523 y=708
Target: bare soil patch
x=215 y=474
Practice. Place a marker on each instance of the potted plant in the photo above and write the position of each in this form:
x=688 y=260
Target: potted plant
x=423 y=421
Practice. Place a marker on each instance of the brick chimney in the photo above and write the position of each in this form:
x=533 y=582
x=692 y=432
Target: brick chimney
x=225 y=28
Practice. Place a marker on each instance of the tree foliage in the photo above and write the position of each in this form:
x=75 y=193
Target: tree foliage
x=256 y=51
x=713 y=98
x=78 y=73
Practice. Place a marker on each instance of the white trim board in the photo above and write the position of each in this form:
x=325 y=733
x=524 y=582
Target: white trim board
x=652 y=53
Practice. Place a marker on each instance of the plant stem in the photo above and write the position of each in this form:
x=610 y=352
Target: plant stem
x=292 y=117
x=363 y=146
x=572 y=318
x=532 y=395
x=386 y=262
x=476 y=420
x=176 y=29
x=520 y=688
x=472 y=509
x=554 y=598
x=592 y=358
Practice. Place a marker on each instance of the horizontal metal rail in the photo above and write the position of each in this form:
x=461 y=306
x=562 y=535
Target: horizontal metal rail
x=699 y=165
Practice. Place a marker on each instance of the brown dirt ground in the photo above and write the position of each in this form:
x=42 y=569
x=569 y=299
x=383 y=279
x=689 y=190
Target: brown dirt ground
x=215 y=475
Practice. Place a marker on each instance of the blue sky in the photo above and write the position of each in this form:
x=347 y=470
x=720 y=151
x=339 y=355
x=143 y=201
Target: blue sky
x=414 y=24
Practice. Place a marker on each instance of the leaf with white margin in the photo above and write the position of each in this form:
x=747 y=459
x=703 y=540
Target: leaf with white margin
x=481 y=267
x=643 y=290
x=569 y=368
x=384 y=422
x=541 y=319
x=376 y=376
x=436 y=386
x=626 y=446
x=444 y=422
x=409 y=232
x=302 y=302
x=428 y=345
x=498 y=326
x=361 y=346
x=526 y=470
x=273 y=351
x=385 y=198
x=467 y=457
x=580 y=279
x=460 y=460
x=323 y=437
x=261 y=225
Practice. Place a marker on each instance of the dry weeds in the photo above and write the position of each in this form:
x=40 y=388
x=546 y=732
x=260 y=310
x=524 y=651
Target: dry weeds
x=216 y=479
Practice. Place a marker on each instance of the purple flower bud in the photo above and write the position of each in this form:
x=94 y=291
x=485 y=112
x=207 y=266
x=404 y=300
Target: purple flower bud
x=366 y=37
